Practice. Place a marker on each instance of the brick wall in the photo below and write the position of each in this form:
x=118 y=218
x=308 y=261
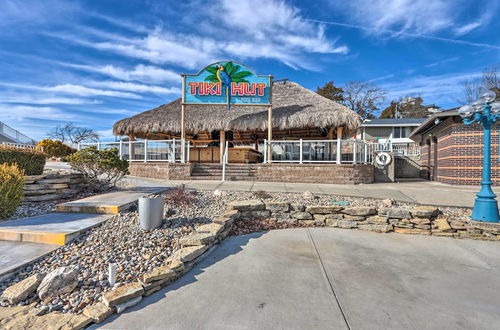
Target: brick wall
x=161 y=170
x=316 y=173
x=459 y=153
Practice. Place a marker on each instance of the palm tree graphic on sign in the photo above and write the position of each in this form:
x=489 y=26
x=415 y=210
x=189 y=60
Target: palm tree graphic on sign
x=226 y=74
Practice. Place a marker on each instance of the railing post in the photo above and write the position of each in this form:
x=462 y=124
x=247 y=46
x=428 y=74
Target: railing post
x=188 y=146
x=265 y=151
x=79 y=146
x=183 y=151
x=98 y=145
x=173 y=150
x=366 y=152
x=145 y=150
x=354 y=150
x=129 y=150
x=339 y=150
x=301 y=149
x=120 y=150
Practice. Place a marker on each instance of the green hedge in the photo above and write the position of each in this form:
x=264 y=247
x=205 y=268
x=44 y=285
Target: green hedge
x=11 y=189
x=30 y=161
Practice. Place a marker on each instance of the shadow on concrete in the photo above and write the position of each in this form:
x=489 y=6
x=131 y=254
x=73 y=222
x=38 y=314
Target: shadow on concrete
x=230 y=246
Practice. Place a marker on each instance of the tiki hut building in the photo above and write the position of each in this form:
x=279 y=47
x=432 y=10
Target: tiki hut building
x=306 y=133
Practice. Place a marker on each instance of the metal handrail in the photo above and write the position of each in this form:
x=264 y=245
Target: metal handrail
x=224 y=161
x=15 y=134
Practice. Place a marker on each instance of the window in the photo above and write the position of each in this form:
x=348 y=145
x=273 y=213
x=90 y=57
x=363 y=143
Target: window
x=400 y=132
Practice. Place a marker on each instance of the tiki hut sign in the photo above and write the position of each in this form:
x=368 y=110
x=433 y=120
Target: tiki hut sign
x=226 y=83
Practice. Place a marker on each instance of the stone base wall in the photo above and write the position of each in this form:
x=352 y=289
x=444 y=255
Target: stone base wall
x=316 y=173
x=161 y=170
x=422 y=220
x=52 y=186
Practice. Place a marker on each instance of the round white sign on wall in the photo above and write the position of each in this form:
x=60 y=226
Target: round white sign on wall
x=383 y=159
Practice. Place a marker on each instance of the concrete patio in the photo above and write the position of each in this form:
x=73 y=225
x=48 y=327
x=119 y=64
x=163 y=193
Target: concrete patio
x=330 y=279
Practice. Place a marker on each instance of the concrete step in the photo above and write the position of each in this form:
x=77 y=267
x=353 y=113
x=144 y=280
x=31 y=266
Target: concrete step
x=109 y=203
x=52 y=228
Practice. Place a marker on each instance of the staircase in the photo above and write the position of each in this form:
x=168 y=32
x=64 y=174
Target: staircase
x=234 y=172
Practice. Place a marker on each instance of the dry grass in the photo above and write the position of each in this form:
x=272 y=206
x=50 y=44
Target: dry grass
x=179 y=196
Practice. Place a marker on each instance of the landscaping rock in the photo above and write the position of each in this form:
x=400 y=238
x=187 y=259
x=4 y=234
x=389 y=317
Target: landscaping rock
x=384 y=228
x=411 y=231
x=427 y=212
x=324 y=209
x=347 y=224
x=376 y=219
x=420 y=221
x=249 y=205
x=308 y=195
x=354 y=218
x=297 y=208
x=21 y=290
x=123 y=294
x=331 y=222
x=121 y=307
x=334 y=216
x=442 y=224
x=188 y=253
x=278 y=206
x=98 y=312
x=398 y=213
x=160 y=273
x=197 y=239
x=301 y=216
x=61 y=280
x=360 y=211
x=211 y=228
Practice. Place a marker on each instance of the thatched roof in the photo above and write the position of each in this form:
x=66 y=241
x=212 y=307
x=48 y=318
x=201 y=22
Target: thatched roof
x=293 y=107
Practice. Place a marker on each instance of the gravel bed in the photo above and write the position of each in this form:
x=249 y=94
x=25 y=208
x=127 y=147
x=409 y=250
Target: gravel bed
x=120 y=240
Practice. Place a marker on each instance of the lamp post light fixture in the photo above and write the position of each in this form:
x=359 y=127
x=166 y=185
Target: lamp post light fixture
x=486 y=112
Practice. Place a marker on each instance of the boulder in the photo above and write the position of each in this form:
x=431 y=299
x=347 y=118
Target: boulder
x=122 y=294
x=308 y=195
x=61 y=280
x=250 y=205
x=21 y=290
x=324 y=209
x=301 y=216
x=360 y=211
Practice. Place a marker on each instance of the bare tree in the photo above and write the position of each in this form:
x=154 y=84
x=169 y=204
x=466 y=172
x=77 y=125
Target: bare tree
x=363 y=97
x=472 y=89
x=74 y=134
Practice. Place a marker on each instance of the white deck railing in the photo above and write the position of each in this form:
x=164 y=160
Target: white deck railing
x=21 y=145
x=146 y=150
x=282 y=151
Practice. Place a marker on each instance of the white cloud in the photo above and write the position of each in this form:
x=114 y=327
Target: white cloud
x=128 y=86
x=141 y=72
x=19 y=112
x=75 y=90
x=436 y=89
x=28 y=99
x=249 y=29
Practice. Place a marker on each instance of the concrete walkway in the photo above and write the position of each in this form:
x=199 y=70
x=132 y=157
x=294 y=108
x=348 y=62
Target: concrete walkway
x=422 y=192
x=329 y=278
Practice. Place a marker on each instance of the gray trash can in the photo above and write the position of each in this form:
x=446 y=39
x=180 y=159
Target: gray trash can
x=150 y=212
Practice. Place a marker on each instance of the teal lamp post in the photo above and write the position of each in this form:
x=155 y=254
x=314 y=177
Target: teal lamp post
x=486 y=112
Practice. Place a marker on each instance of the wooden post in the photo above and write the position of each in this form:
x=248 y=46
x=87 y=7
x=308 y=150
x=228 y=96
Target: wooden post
x=183 y=119
x=222 y=144
x=330 y=144
x=339 y=141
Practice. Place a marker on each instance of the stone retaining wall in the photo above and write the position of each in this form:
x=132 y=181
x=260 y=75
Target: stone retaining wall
x=52 y=186
x=422 y=220
x=160 y=170
x=316 y=173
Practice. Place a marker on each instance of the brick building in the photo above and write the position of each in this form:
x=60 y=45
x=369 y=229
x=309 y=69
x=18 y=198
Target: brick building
x=452 y=152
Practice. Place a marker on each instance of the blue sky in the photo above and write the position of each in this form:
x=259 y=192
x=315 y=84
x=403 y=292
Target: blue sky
x=95 y=62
